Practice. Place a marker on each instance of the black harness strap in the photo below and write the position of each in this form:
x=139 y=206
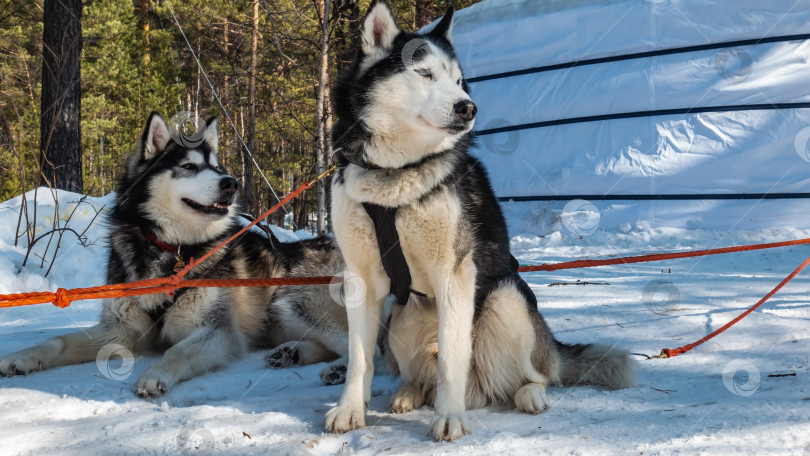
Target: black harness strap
x=393 y=260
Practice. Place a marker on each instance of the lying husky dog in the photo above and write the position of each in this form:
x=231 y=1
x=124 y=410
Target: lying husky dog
x=473 y=336
x=176 y=202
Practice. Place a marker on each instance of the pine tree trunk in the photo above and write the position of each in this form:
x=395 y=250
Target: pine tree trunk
x=226 y=96
x=247 y=191
x=60 y=126
x=239 y=148
x=348 y=13
x=422 y=13
x=328 y=152
x=321 y=113
x=143 y=11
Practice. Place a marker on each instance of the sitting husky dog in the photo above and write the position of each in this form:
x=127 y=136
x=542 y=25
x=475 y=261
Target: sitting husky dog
x=174 y=203
x=473 y=335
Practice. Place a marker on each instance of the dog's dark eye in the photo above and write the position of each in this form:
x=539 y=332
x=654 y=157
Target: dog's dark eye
x=189 y=166
x=458 y=81
x=425 y=73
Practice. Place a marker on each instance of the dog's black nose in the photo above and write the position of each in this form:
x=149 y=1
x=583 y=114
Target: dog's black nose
x=229 y=185
x=466 y=110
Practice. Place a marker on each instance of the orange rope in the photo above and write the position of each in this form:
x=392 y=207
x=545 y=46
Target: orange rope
x=63 y=298
x=669 y=353
x=657 y=256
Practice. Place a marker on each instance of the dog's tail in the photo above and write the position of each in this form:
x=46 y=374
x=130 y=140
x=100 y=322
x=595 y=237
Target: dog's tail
x=596 y=365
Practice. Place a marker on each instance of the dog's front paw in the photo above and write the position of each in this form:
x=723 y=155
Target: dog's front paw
x=407 y=398
x=153 y=383
x=284 y=356
x=449 y=427
x=334 y=374
x=531 y=398
x=20 y=365
x=344 y=419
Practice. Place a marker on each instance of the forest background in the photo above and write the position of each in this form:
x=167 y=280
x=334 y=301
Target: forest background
x=271 y=62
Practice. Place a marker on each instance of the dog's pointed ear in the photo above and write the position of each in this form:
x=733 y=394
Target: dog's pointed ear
x=211 y=135
x=156 y=136
x=379 y=30
x=444 y=28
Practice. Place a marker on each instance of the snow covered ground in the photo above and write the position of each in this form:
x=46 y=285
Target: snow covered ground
x=720 y=398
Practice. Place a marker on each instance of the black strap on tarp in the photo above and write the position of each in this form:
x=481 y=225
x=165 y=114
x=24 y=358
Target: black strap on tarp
x=651 y=113
x=641 y=55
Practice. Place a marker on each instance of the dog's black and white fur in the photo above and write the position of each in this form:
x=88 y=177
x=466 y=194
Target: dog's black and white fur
x=405 y=118
x=177 y=196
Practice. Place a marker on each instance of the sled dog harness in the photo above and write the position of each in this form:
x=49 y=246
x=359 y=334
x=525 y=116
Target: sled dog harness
x=396 y=267
x=391 y=255
x=385 y=230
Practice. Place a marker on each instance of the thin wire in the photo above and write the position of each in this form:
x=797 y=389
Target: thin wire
x=193 y=54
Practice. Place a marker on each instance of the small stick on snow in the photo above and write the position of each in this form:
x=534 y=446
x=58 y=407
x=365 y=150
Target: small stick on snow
x=664 y=391
x=792 y=374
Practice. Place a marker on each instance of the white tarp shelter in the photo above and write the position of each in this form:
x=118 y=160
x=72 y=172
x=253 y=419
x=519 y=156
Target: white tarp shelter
x=703 y=102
